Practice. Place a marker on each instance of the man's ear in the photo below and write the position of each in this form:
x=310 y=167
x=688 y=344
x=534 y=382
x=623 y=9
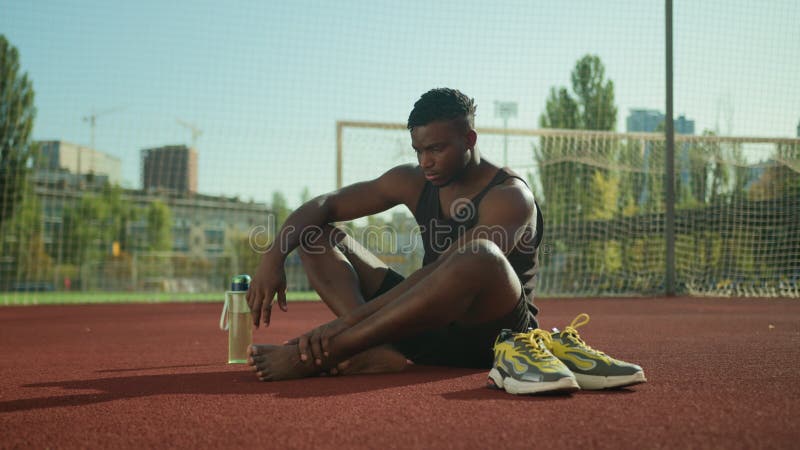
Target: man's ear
x=472 y=138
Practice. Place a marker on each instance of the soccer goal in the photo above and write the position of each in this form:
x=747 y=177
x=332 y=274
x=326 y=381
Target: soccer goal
x=602 y=196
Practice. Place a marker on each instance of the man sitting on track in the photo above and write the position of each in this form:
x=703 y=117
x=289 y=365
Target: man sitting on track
x=481 y=230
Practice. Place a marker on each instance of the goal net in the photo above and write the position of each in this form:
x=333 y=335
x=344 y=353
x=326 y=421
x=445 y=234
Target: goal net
x=602 y=197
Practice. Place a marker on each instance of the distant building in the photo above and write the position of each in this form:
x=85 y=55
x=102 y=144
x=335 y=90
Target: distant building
x=648 y=120
x=643 y=120
x=202 y=225
x=207 y=233
x=171 y=168
x=64 y=162
x=683 y=125
x=212 y=234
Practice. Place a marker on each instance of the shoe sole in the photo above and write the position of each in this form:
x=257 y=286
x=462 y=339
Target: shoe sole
x=597 y=382
x=516 y=387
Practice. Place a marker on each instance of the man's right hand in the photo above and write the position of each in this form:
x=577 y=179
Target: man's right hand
x=269 y=281
x=314 y=345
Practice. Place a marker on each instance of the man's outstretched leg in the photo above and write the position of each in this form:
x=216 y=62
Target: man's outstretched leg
x=472 y=286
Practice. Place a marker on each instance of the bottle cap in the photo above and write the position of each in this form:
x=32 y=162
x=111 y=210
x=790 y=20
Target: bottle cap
x=240 y=282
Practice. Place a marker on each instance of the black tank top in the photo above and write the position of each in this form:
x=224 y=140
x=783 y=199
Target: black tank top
x=439 y=232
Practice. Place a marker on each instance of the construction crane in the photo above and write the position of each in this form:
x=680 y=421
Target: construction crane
x=92 y=120
x=196 y=132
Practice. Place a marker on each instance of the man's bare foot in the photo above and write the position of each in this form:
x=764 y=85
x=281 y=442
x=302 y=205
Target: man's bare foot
x=381 y=359
x=279 y=362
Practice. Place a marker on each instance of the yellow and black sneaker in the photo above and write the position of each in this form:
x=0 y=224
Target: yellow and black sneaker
x=523 y=365
x=592 y=368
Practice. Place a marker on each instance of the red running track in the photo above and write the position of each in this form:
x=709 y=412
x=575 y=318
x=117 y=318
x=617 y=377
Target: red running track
x=722 y=374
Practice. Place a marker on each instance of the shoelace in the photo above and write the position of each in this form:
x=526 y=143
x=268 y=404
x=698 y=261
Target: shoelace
x=532 y=337
x=571 y=332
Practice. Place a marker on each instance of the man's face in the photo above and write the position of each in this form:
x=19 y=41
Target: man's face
x=442 y=150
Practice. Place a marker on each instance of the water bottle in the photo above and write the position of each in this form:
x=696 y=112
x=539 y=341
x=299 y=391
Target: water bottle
x=237 y=320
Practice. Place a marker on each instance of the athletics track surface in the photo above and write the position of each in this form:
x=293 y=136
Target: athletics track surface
x=723 y=373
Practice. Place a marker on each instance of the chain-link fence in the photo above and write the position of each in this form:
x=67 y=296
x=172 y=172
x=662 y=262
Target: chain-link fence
x=156 y=148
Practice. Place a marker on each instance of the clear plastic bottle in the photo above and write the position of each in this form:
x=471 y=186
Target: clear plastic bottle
x=237 y=320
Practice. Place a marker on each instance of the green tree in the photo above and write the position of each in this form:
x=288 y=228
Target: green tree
x=773 y=194
x=23 y=244
x=561 y=111
x=631 y=159
x=574 y=172
x=17 y=112
x=590 y=107
x=305 y=195
x=595 y=95
x=159 y=226
x=280 y=208
x=781 y=178
x=567 y=181
x=121 y=212
x=85 y=235
x=94 y=222
x=243 y=251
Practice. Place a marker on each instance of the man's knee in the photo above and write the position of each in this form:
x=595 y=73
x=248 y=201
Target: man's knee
x=480 y=249
x=480 y=254
x=316 y=241
x=482 y=263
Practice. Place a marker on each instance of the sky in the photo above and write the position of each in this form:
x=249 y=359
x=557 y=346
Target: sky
x=267 y=81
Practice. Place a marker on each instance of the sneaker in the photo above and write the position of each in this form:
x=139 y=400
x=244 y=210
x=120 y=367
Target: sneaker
x=523 y=365
x=592 y=368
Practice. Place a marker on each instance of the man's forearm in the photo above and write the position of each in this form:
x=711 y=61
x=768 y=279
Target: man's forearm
x=304 y=223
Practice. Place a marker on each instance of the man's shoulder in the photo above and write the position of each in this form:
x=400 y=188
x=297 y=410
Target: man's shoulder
x=512 y=190
x=407 y=170
x=405 y=179
x=512 y=194
x=403 y=174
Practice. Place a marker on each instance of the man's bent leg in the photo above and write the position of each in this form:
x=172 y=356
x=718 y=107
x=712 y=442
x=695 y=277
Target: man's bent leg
x=470 y=287
x=345 y=274
x=341 y=270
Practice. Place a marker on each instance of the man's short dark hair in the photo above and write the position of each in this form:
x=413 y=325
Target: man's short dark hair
x=442 y=104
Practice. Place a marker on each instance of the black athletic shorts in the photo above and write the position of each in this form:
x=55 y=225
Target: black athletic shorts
x=459 y=345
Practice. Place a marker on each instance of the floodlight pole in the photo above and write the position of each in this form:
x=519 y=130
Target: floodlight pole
x=669 y=178
x=505 y=110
